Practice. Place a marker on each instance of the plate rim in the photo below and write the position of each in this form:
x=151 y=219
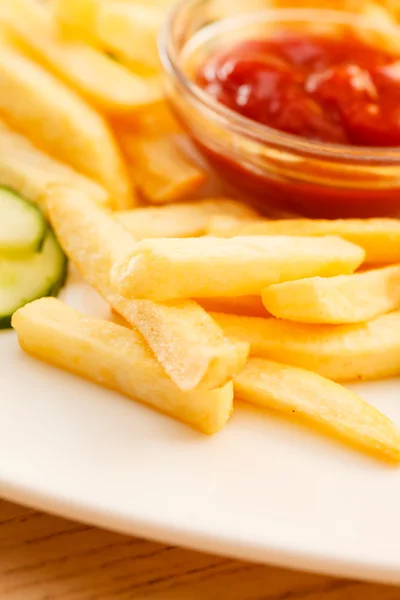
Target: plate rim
x=269 y=554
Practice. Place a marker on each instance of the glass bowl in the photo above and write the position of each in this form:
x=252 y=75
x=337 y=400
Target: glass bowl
x=269 y=168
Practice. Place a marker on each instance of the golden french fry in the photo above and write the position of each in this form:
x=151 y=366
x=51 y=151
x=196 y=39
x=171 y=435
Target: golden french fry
x=230 y=226
x=327 y=405
x=160 y=169
x=172 y=328
x=28 y=170
x=188 y=343
x=5 y=36
x=339 y=352
x=129 y=30
x=150 y=120
x=251 y=306
x=117 y=358
x=76 y=19
x=343 y=299
x=61 y=123
x=164 y=269
x=104 y=82
x=186 y=219
x=380 y=238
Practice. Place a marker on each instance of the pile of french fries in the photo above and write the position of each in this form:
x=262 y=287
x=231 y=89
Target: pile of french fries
x=210 y=303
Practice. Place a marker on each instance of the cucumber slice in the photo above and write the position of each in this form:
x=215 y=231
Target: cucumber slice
x=22 y=225
x=25 y=280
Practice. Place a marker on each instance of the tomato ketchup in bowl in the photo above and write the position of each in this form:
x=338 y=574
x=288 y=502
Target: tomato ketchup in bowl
x=337 y=90
x=297 y=110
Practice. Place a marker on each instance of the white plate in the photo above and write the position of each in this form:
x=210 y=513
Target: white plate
x=263 y=489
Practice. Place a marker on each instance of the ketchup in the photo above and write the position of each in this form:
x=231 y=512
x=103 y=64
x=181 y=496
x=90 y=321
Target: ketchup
x=338 y=90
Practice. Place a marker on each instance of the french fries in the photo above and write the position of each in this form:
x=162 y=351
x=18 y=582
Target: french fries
x=343 y=299
x=117 y=358
x=61 y=123
x=188 y=343
x=105 y=83
x=229 y=226
x=322 y=403
x=151 y=120
x=339 y=352
x=29 y=170
x=129 y=30
x=165 y=269
x=186 y=219
x=76 y=19
x=380 y=238
x=160 y=170
x=252 y=306
x=85 y=121
x=126 y=29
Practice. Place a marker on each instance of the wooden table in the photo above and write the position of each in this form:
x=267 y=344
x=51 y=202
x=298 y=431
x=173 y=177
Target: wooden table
x=47 y=558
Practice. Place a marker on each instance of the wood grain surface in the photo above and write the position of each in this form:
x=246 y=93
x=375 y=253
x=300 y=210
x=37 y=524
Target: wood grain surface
x=48 y=558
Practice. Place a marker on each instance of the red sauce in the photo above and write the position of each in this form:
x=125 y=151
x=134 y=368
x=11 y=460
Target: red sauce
x=324 y=89
x=332 y=90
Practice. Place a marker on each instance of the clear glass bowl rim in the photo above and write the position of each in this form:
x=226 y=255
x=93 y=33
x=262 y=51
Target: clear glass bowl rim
x=262 y=134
